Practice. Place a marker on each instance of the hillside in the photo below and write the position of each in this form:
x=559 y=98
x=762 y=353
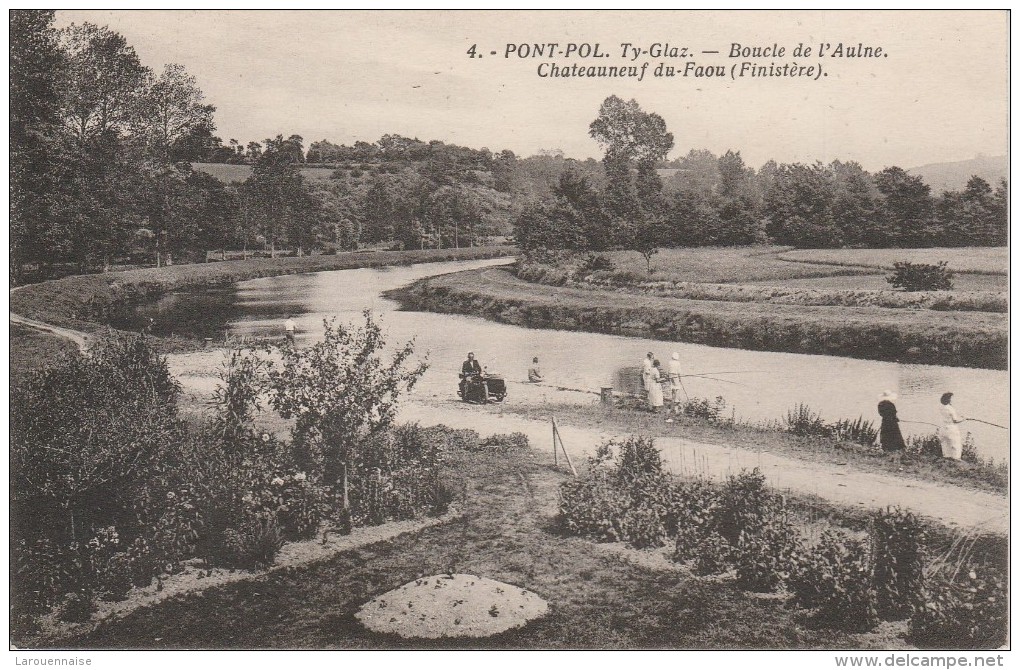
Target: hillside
x=953 y=176
x=231 y=174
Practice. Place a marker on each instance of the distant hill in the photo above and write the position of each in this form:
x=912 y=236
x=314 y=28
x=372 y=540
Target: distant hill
x=953 y=176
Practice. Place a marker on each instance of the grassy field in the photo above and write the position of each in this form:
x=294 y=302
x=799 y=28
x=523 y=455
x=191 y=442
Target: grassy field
x=600 y=596
x=85 y=301
x=971 y=339
x=976 y=260
x=722 y=265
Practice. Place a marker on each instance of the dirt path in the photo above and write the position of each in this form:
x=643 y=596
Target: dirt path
x=951 y=505
x=76 y=336
x=948 y=504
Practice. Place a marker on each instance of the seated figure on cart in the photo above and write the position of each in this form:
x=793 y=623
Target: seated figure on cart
x=477 y=385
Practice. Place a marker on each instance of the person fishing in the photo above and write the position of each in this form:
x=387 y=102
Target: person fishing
x=646 y=372
x=655 y=399
x=535 y=372
x=889 y=435
x=289 y=327
x=673 y=372
x=949 y=434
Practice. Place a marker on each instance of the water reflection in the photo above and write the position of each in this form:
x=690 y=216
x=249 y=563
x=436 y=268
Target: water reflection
x=767 y=384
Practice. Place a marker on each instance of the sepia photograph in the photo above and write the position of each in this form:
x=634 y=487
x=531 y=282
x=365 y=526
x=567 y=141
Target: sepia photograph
x=509 y=330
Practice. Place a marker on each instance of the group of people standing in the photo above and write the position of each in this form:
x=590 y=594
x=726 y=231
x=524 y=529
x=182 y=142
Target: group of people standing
x=652 y=378
x=891 y=439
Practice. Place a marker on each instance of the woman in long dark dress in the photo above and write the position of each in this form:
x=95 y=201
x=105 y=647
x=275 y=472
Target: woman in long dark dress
x=889 y=434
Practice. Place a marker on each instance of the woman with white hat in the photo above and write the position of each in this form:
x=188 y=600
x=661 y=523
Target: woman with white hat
x=674 y=371
x=949 y=435
x=889 y=434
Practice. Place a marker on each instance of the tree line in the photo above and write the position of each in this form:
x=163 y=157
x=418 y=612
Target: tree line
x=103 y=154
x=102 y=169
x=718 y=200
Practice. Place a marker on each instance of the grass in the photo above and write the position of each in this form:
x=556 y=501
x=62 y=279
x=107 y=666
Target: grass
x=33 y=349
x=599 y=599
x=760 y=437
x=976 y=260
x=720 y=265
x=970 y=339
x=85 y=302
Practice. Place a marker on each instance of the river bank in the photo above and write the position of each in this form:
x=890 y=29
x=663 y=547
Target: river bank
x=964 y=339
x=85 y=302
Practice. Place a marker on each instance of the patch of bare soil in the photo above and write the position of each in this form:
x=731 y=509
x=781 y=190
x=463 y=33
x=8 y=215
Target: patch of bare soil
x=451 y=605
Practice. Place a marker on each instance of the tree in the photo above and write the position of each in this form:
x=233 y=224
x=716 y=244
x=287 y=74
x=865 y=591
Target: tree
x=630 y=135
x=37 y=70
x=906 y=207
x=276 y=196
x=105 y=85
x=340 y=392
x=171 y=113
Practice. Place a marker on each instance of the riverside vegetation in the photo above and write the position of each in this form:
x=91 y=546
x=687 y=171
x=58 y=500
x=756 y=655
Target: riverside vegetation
x=114 y=490
x=749 y=298
x=850 y=577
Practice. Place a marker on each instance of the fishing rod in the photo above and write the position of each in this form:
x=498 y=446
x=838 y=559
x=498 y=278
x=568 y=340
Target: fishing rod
x=724 y=381
x=733 y=372
x=987 y=422
x=926 y=423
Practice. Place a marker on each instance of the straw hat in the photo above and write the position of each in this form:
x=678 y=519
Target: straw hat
x=888 y=395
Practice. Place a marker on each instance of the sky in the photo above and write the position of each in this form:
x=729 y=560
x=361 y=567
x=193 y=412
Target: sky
x=939 y=92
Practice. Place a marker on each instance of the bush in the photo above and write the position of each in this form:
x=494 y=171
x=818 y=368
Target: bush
x=695 y=509
x=503 y=443
x=253 y=546
x=802 y=421
x=593 y=263
x=836 y=578
x=396 y=476
x=626 y=498
x=966 y=608
x=703 y=408
x=764 y=552
x=899 y=562
x=921 y=276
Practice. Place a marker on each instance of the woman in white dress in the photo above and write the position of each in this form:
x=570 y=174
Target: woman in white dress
x=655 y=396
x=952 y=443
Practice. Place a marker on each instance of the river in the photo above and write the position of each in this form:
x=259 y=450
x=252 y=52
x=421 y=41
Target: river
x=764 y=386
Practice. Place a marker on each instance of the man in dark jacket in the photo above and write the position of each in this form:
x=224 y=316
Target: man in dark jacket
x=468 y=369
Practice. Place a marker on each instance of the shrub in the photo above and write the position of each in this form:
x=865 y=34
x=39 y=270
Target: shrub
x=593 y=263
x=594 y=506
x=694 y=511
x=857 y=430
x=966 y=608
x=801 y=420
x=921 y=276
x=503 y=443
x=254 y=545
x=397 y=475
x=899 y=562
x=745 y=502
x=835 y=577
x=340 y=392
x=703 y=408
x=626 y=498
x=925 y=446
x=764 y=552
x=712 y=555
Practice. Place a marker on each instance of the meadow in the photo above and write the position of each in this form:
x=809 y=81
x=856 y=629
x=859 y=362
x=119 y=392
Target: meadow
x=960 y=338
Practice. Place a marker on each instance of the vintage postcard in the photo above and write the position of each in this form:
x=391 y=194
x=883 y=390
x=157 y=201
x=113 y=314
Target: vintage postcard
x=509 y=330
